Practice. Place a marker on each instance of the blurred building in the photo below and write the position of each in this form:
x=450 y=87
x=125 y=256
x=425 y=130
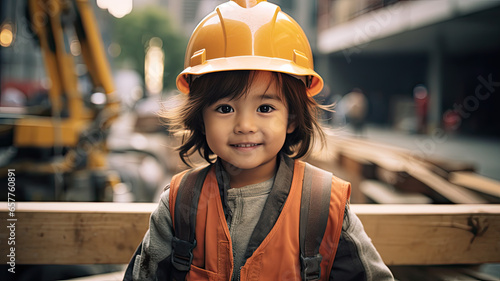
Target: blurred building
x=389 y=47
x=385 y=47
x=186 y=13
x=190 y=12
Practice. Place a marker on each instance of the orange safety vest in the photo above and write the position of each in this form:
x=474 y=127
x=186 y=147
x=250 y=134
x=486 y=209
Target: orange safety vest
x=277 y=257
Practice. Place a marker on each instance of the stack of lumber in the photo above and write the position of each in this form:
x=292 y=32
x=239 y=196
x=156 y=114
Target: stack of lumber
x=386 y=174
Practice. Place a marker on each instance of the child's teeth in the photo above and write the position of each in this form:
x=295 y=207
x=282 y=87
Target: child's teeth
x=245 y=145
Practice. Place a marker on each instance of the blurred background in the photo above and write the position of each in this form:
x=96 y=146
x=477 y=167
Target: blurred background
x=416 y=86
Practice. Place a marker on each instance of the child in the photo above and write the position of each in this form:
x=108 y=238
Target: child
x=249 y=110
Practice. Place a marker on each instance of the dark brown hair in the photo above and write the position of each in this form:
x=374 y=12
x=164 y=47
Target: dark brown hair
x=209 y=88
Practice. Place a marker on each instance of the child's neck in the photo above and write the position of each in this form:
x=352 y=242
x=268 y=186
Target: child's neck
x=243 y=177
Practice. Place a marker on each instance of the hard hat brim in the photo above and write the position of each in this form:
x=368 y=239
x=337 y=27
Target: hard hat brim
x=250 y=63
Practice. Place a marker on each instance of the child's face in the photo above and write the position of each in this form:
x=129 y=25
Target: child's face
x=248 y=132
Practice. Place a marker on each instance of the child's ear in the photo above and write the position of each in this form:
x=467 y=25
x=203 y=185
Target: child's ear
x=291 y=127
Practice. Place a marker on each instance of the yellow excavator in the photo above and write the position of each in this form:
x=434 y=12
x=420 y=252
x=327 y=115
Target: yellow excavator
x=59 y=152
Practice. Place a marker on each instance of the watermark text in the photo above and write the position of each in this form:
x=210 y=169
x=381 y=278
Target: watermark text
x=11 y=220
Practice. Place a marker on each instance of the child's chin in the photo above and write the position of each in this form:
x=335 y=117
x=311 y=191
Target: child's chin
x=239 y=166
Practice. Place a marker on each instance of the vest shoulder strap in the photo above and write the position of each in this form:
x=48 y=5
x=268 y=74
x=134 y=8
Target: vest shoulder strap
x=186 y=207
x=314 y=210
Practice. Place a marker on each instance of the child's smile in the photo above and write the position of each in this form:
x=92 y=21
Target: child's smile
x=243 y=147
x=247 y=133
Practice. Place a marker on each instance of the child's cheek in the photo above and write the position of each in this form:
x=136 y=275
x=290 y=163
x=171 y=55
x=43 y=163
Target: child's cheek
x=278 y=124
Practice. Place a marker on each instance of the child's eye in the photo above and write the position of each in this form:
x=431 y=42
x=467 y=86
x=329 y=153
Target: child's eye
x=225 y=109
x=265 y=108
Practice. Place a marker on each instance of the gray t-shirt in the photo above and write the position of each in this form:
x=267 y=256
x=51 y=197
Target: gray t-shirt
x=246 y=204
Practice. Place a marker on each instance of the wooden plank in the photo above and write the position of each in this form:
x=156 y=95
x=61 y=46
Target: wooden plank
x=448 y=166
x=382 y=193
x=454 y=193
x=403 y=182
x=433 y=234
x=476 y=182
x=76 y=233
x=108 y=233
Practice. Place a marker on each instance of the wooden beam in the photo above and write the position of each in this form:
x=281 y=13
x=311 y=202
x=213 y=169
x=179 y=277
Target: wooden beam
x=433 y=234
x=75 y=233
x=383 y=193
x=476 y=182
x=108 y=233
x=454 y=193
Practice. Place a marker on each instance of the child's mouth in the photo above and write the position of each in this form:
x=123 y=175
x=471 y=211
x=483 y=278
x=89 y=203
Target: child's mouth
x=245 y=145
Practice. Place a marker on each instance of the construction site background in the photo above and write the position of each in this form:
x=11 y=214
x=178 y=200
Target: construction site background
x=416 y=79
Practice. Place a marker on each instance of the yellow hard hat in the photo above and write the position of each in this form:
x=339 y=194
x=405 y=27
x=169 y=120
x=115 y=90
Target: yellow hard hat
x=249 y=35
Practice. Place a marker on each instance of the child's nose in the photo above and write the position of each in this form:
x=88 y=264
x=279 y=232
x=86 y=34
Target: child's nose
x=245 y=124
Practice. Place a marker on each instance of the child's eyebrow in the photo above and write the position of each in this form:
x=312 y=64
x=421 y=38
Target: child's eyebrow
x=267 y=96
